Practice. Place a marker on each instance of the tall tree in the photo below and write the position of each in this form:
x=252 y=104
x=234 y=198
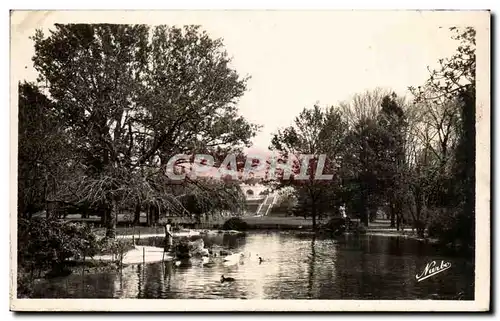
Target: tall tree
x=452 y=87
x=314 y=132
x=42 y=149
x=133 y=97
x=373 y=150
x=364 y=168
x=392 y=120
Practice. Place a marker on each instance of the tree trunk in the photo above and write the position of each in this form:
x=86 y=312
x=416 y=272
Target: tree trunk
x=104 y=216
x=156 y=216
x=137 y=214
x=366 y=217
x=418 y=210
x=393 y=215
x=420 y=229
x=419 y=224
x=48 y=209
x=45 y=192
x=373 y=213
x=111 y=219
x=313 y=214
x=151 y=221
x=364 y=212
x=363 y=206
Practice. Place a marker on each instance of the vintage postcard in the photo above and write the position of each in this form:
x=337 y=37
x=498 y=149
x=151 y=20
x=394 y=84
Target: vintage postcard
x=250 y=160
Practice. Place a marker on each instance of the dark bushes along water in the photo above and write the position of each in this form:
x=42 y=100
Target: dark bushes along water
x=235 y=223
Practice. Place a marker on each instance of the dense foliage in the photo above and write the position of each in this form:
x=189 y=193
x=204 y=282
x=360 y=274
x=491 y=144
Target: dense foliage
x=414 y=159
x=46 y=246
x=314 y=132
x=118 y=102
x=235 y=224
x=50 y=243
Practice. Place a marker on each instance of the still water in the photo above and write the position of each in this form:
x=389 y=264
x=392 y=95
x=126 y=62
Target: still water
x=294 y=267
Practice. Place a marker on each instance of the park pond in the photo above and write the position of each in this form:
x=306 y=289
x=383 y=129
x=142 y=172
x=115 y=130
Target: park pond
x=294 y=267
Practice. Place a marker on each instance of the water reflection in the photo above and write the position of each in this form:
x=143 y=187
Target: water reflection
x=366 y=267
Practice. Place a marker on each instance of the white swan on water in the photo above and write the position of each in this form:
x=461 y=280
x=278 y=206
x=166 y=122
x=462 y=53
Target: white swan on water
x=234 y=257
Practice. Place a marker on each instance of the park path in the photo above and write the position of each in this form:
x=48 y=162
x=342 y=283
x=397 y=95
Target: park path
x=175 y=234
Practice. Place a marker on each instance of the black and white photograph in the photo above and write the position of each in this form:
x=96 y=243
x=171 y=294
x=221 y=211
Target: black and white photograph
x=250 y=160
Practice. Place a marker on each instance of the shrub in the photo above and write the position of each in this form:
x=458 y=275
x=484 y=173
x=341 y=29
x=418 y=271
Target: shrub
x=449 y=226
x=24 y=284
x=48 y=244
x=336 y=225
x=185 y=247
x=235 y=223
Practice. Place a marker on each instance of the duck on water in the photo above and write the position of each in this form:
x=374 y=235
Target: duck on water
x=224 y=279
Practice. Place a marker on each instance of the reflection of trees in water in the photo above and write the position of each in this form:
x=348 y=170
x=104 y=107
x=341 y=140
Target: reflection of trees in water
x=102 y=286
x=155 y=281
x=140 y=283
x=126 y=282
x=167 y=275
x=312 y=264
x=325 y=263
x=224 y=240
x=385 y=268
x=77 y=285
x=356 y=268
x=211 y=240
x=152 y=281
x=305 y=269
x=366 y=271
x=321 y=264
x=166 y=270
x=119 y=285
x=233 y=241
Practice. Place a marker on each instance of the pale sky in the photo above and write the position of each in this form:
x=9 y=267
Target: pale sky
x=295 y=58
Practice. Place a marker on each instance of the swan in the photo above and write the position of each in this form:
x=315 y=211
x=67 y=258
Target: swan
x=234 y=257
x=223 y=279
